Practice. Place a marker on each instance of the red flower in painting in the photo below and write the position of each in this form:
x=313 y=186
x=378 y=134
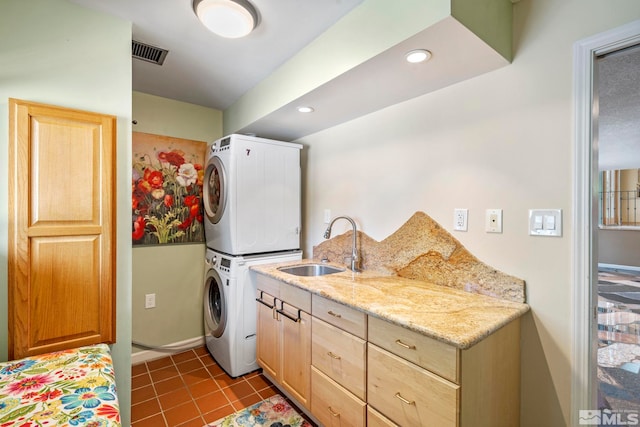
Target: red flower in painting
x=185 y=224
x=191 y=200
x=174 y=157
x=138 y=228
x=168 y=200
x=154 y=178
x=194 y=210
x=143 y=186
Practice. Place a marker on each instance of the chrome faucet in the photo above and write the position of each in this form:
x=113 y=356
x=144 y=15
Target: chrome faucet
x=355 y=259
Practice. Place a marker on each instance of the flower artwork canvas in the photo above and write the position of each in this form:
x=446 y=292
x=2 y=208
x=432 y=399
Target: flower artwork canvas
x=166 y=200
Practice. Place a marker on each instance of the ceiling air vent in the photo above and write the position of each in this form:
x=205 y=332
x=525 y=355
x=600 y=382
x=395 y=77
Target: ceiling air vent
x=148 y=53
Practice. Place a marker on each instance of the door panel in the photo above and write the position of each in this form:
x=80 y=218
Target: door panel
x=61 y=228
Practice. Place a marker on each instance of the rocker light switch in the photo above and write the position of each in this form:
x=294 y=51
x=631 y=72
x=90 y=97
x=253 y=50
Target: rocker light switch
x=545 y=222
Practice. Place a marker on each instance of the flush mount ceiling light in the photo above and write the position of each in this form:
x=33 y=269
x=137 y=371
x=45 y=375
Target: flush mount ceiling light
x=305 y=109
x=227 y=18
x=418 y=55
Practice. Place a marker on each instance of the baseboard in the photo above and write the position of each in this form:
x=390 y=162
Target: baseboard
x=619 y=267
x=166 y=350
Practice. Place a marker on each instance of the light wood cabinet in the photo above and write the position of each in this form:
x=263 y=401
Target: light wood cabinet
x=334 y=405
x=340 y=355
x=283 y=347
x=347 y=368
x=376 y=419
x=339 y=358
x=410 y=395
x=409 y=389
x=62 y=246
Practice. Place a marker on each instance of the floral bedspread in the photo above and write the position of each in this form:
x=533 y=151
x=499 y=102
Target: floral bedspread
x=64 y=388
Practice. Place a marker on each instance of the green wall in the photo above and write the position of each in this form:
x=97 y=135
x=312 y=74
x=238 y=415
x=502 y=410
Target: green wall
x=175 y=273
x=55 y=52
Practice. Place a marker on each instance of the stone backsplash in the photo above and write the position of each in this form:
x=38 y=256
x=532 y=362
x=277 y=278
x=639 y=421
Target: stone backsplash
x=421 y=249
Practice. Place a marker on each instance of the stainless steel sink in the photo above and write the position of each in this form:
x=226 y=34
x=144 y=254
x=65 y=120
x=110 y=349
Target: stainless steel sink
x=311 y=269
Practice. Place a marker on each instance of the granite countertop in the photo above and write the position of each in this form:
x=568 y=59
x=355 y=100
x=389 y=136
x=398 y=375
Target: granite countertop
x=449 y=315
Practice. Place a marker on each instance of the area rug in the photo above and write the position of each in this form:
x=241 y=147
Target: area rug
x=273 y=412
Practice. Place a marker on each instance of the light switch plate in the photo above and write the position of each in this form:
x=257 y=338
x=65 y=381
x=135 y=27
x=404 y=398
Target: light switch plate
x=545 y=222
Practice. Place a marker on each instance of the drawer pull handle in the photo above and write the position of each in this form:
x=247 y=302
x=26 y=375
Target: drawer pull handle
x=334 y=414
x=333 y=356
x=264 y=302
x=288 y=316
x=403 y=400
x=334 y=314
x=401 y=344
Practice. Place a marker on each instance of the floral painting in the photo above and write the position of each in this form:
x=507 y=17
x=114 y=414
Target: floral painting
x=166 y=189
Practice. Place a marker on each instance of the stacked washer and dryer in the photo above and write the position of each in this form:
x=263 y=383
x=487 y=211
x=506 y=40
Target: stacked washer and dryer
x=251 y=201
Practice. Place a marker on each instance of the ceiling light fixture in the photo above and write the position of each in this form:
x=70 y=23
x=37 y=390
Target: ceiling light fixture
x=305 y=109
x=227 y=18
x=418 y=55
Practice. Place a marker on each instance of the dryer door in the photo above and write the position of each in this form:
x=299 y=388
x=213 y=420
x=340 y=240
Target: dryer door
x=214 y=190
x=215 y=304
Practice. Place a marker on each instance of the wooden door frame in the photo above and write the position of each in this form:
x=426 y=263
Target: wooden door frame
x=585 y=210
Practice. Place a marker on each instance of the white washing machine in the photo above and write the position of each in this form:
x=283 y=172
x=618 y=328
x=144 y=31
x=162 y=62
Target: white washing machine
x=230 y=308
x=252 y=195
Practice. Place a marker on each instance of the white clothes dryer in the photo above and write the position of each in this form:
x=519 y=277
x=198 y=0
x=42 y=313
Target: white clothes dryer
x=230 y=308
x=252 y=195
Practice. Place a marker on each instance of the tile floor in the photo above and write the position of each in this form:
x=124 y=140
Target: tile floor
x=190 y=389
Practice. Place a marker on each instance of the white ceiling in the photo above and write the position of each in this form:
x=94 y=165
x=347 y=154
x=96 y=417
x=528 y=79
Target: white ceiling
x=204 y=69
x=619 y=110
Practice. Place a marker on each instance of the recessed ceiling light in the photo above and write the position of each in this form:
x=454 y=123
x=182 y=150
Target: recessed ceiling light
x=227 y=18
x=418 y=55
x=305 y=109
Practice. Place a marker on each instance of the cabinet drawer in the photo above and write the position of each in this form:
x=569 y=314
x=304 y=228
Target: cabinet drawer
x=290 y=294
x=426 y=352
x=376 y=419
x=339 y=355
x=347 y=318
x=295 y=296
x=267 y=284
x=408 y=394
x=333 y=405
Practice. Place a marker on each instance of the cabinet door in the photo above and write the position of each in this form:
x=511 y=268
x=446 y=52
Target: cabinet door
x=296 y=353
x=61 y=228
x=268 y=335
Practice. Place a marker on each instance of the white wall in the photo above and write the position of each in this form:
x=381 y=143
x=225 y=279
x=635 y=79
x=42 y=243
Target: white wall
x=619 y=247
x=55 y=52
x=175 y=273
x=501 y=140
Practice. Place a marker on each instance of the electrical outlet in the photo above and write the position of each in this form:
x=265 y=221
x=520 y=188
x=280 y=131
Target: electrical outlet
x=150 y=301
x=493 y=221
x=460 y=219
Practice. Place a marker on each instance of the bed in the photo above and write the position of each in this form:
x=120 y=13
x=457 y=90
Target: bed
x=65 y=388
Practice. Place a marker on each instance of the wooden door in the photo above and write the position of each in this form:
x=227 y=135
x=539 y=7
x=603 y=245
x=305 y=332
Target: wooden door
x=268 y=336
x=61 y=228
x=296 y=354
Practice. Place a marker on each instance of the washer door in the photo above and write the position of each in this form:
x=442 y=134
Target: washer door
x=215 y=304
x=214 y=190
